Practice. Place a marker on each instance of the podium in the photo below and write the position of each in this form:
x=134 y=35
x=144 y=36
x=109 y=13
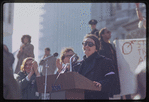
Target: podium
x=70 y=85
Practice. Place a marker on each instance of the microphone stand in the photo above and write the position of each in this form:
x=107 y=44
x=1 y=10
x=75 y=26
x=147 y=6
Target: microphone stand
x=45 y=80
x=71 y=62
x=63 y=70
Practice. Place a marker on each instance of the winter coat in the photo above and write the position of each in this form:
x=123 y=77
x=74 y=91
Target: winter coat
x=108 y=51
x=28 y=88
x=51 y=63
x=100 y=69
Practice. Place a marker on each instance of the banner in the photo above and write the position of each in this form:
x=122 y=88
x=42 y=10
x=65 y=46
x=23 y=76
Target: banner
x=130 y=53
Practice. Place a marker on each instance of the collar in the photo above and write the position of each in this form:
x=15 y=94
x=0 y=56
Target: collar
x=91 y=57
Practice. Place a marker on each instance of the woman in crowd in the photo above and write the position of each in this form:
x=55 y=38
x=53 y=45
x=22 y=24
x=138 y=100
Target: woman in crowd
x=97 y=68
x=26 y=50
x=27 y=78
x=66 y=54
x=107 y=50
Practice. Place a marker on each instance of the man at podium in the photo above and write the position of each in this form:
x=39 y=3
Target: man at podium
x=97 y=68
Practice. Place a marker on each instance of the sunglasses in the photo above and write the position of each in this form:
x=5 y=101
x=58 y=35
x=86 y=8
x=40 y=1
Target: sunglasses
x=90 y=44
x=68 y=55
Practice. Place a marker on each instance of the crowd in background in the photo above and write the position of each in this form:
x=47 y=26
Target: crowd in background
x=99 y=64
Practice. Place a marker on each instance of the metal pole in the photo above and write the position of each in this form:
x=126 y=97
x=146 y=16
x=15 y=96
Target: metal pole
x=45 y=81
x=71 y=62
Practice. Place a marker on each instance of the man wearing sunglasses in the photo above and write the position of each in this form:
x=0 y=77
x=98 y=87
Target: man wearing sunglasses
x=107 y=50
x=93 y=24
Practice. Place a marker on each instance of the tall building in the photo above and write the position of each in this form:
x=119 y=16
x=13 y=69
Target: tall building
x=120 y=18
x=8 y=14
x=64 y=25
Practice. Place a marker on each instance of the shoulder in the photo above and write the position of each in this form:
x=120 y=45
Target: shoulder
x=103 y=58
x=30 y=45
x=52 y=57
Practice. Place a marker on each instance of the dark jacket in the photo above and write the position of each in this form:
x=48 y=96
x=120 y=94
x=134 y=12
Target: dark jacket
x=98 y=68
x=10 y=86
x=28 y=88
x=108 y=51
x=95 y=32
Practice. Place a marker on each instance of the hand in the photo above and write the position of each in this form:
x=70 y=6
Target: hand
x=31 y=72
x=21 y=48
x=35 y=68
x=97 y=84
x=59 y=65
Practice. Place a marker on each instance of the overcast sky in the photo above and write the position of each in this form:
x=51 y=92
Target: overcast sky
x=26 y=21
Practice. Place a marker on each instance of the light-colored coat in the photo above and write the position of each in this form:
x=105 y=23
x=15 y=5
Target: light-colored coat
x=51 y=62
x=28 y=51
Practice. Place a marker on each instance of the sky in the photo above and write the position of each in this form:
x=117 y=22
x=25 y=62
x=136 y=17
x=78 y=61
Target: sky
x=26 y=21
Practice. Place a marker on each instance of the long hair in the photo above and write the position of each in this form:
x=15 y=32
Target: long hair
x=24 y=62
x=28 y=36
x=101 y=32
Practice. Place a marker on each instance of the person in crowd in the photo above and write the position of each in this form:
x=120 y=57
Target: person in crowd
x=93 y=24
x=107 y=50
x=10 y=86
x=26 y=50
x=96 y=68
x=27 y=78
x=48 y=61
x=65 y=56
x=9 y=56
x=141 y=18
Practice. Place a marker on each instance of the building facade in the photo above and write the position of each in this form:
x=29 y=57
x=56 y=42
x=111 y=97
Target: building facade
x=121 y=19
x=8 y=14
x=66 y=24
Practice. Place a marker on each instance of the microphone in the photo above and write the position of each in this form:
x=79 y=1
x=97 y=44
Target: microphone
x=75 y=58
x=45 y=59
x=55 y=54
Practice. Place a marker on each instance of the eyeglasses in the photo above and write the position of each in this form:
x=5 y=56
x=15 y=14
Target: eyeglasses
x=68 y=55
x=90 y=44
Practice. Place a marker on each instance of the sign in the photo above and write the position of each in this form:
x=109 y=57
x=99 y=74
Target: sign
x=130 y=53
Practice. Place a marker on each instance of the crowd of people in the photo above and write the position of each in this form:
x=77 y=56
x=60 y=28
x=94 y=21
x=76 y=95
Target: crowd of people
x=99 y=64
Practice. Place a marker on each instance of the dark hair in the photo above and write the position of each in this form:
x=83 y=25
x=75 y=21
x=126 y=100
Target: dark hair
x=63 y=52
x=28 y=36
x=101 y=32
x=95 y=38
x=48 y=49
